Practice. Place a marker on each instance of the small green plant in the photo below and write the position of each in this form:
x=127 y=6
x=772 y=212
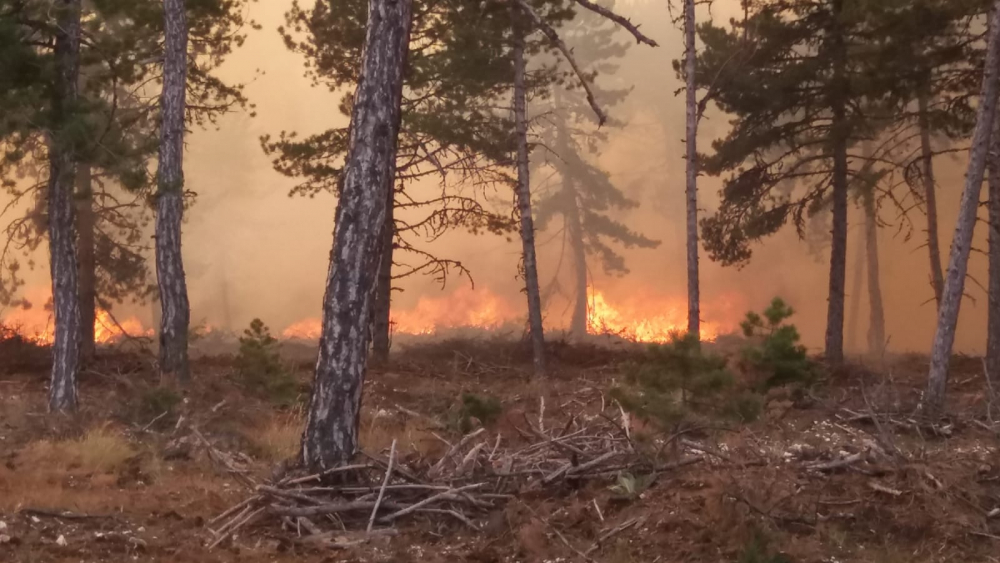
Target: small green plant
x=484 y=408
x=776 y=355
x=260 y=366
x=758 y=550
x=159 y=400
x=630 y=487
x=671 y=378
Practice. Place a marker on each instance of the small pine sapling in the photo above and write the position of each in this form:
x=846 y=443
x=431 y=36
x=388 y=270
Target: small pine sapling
x=775 y=353
x=260 y=366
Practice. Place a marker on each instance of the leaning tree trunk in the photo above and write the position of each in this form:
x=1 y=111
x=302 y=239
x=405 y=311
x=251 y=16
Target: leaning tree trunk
x=382 y=314
x=62 y=246
x=176 y=314
x=876 y=323
x=958 y=262
x=86 y=221
x=993 y=285
x=331 y=434
x=838 y=249
x=524 y=203
x=580 y=321
x=691 y=191
x=930 y=199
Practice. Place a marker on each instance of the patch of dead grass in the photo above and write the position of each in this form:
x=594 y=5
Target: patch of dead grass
x=280 y=436
x=100 y=450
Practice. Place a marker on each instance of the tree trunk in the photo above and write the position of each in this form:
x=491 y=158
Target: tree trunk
x=176 y=314
x=62 y=246
x=958 y=262
x=993 y=313
x=838 y=248
x=87 y=268
x=524 y=202
x=579 y=323
x=691 y=191
x=876 y=324
x=381 y=323
x=331 y=434
x=930 y=198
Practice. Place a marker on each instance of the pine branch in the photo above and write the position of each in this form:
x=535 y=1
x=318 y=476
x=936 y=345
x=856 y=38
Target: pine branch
x=558 y=42
x=624 y=22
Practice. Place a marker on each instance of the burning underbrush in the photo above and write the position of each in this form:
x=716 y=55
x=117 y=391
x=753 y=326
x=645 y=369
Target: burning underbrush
x=489 y=465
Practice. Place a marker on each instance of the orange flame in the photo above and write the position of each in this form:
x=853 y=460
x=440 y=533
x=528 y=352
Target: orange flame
x=641 y=318
x=36 y=325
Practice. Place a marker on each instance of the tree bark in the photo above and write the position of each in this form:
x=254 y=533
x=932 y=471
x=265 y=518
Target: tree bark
x=87 y=268
x=62 y=246
x=524 y=202
x=958 y=262
x=381 y=323
x=876 y=323
x=930 y=199
x=331 y=434
x=580 y=320
x=838 y=249
x=176 y=314
x=691 y=190
x=993 y=285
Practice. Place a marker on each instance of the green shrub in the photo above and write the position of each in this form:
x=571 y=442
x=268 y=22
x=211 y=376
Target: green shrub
x=260 y=367
x=671 y=378
x=159 y=400
x=775 y=356
x=486 y=409
x=758 y=550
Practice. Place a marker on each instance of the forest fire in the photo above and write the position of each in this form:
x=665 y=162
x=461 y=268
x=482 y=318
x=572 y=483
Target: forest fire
x=641 y=319
x=36 y=325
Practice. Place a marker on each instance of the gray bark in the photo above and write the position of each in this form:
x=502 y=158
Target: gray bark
x=993 y=285
x=62 y=245
x=381 y=323
x=958 y=262
x=175 y=309
x=574 y=226
x=930 y=199
x=838 y=248
x=691 y=190
x=331 y=434
x=524 y=202
x=87 y=267
x=876 y=318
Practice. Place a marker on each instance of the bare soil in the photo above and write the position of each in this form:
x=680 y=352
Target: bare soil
x=845 y=472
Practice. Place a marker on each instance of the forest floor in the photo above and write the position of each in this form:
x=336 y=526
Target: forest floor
x=121 y=481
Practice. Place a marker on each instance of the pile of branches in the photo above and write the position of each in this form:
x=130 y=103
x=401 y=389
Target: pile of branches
x=475 y=477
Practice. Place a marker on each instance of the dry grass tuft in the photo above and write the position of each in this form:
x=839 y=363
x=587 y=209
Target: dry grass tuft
x=100 y=450
x=279 y=438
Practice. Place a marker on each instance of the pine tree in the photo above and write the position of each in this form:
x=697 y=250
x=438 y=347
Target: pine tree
x=954 y=284
x=331 y=433
x=62 y=251
x=796 y=116
x=585 y=193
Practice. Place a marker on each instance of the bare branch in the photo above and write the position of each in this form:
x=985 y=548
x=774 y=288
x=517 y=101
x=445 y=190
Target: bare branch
x=624 y=22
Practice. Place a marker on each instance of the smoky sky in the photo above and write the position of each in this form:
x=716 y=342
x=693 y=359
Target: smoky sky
x=252 y=251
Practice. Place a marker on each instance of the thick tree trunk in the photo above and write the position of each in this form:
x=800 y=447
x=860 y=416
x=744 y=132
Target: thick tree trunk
x=876 y=323
x=930 y=198
x=958 y=262
x=691 y=191
x=993 y=313
x=331 y=434
x=176 y=314
x=574 y=225
x=838 y=248
x=524 y=203
x=86 y=221
x=381 y=323
x=62 y=246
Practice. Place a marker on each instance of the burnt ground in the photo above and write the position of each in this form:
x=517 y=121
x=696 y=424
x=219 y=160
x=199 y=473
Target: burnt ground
x=816 y=479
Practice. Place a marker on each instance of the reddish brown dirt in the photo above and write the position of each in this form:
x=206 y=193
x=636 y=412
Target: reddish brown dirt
x=931 y=501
